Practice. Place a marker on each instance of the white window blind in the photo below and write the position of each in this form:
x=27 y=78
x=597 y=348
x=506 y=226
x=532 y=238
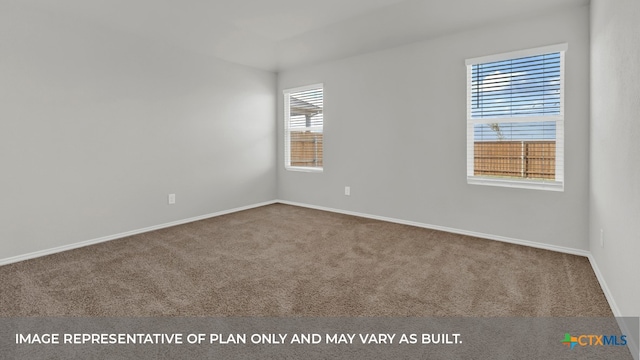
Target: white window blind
x=515 y=119
x=304 y=123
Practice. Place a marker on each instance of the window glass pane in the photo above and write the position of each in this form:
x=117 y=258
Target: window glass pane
x=515 y=150
x=306 y=148
x=543 y=130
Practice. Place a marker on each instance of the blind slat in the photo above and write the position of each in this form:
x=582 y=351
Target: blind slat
x=535 y=78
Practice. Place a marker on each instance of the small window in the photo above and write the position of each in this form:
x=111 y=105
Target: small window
x=515 y=119
x=303 y=116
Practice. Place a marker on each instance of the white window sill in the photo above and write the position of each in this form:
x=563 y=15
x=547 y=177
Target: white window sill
x=523 y=184
x=304 y=169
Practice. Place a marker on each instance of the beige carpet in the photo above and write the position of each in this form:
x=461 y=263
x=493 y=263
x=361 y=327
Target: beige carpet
x=283 y=260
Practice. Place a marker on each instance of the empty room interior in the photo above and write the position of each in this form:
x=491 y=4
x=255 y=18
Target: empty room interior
x=334 y=158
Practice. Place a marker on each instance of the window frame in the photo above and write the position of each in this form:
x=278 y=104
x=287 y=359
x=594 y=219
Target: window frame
x=287 y=129
x=553 y=185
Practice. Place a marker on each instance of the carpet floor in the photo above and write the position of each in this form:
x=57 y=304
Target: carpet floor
x=282 y=260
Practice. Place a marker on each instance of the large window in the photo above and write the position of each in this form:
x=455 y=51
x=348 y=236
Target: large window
x=303 y=115
x=515 y=119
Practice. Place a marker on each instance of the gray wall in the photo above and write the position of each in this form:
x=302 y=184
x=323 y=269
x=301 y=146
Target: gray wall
x=615 y=148
x=393 y=117
x=97 y=127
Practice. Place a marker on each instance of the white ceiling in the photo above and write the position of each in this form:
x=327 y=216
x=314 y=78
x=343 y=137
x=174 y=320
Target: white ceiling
x=281 y=34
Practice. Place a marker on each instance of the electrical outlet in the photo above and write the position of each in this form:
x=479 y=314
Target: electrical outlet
x=172 y=199
x=347 y=190
x=601 y=238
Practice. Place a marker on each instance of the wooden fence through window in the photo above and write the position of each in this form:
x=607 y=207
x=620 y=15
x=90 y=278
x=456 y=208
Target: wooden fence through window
x=520 y=159
x=306 y=149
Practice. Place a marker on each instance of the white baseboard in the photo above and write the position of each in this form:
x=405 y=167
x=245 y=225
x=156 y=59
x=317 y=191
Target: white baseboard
x=605 y=288
x=534 y=244
x=58 y=249
x=633 y=346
